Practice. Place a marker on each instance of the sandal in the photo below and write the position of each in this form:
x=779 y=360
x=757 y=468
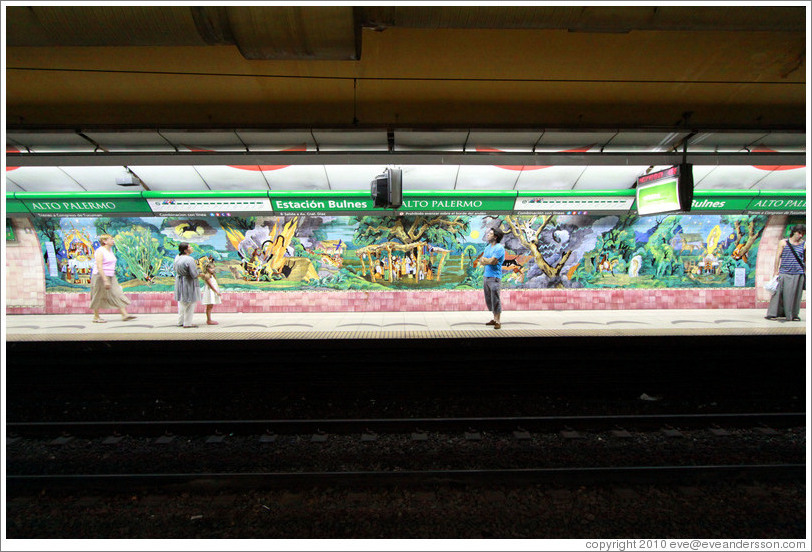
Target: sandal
x=129 y=317
x=99 y=321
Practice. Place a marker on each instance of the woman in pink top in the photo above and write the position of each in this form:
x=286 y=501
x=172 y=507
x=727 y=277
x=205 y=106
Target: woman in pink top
x=105 y=292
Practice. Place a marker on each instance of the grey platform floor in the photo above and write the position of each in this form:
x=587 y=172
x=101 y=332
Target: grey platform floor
x=403 y=325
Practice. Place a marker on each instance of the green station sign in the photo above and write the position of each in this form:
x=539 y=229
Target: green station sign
x=15 y=206
x=778 y=203
x=84 y=204
x=257 y=202
x=322 y=202
x=457 y=202
x=713 y=201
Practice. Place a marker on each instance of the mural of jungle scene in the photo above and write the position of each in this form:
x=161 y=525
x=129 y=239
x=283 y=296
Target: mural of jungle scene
x=410 y=252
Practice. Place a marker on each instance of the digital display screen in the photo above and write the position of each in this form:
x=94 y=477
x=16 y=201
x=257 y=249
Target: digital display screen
x=666 y=191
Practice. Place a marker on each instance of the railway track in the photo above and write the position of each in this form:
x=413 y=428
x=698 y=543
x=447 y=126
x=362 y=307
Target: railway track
x=300 y=453
x=629 y=475
x=403 y=425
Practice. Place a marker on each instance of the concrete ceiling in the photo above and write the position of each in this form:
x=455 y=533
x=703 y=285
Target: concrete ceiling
x=527 y=66
x=427 y=74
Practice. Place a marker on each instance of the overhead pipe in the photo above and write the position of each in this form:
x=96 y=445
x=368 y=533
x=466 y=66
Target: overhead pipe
x=184 y=158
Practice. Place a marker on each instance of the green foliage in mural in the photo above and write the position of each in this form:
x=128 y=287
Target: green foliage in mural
x=619 y=242
x=243 y=224
x=59 y=284
x=104 y=225
x=140 y=253
x=50 y=230
x=583 y=274
x=658 y=255
x=344 y=280
x=300 y=251
x=116 y=225
x=443 y=231
x=473 y=277
x=170 y=248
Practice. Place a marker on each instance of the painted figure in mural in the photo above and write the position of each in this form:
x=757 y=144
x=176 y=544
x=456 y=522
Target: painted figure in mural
x=210 y=292
x=79 y=257
x=492 y=258
x=253 y=266
x=105 y=291
x=187 y=292
x=396 y=268
x=790 y=261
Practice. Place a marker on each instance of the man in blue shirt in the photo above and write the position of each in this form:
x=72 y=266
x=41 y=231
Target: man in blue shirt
x=492 y=258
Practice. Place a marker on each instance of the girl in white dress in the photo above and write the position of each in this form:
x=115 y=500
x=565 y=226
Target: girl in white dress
x=210 y=291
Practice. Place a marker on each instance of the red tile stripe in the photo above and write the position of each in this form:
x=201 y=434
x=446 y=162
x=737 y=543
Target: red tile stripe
x=395 y=301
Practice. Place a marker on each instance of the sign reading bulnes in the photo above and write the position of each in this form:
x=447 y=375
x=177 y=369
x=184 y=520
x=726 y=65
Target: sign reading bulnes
x=322 y=204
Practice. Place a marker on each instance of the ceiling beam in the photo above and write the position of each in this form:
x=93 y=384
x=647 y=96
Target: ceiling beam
x=100 y=159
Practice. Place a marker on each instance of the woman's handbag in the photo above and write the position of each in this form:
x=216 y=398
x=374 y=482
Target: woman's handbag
x=772 y=285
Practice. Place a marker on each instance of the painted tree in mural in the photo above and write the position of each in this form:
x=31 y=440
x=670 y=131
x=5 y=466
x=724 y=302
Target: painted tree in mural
x=50 y=229
x=659 y=252
x=522 y=228
x=620 y=240
x=744 y=242
x=615 y=248
x=410 y=236
x=746 y=236
x=439 y=230
x=103 y=226
x=140 y=252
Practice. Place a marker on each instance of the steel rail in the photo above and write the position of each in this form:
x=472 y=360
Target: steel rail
x=627 y=475
x=404 y=425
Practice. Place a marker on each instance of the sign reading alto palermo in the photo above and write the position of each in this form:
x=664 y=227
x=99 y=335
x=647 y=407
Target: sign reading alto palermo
x=92 y=206
x=471 y=204
x=776 y=205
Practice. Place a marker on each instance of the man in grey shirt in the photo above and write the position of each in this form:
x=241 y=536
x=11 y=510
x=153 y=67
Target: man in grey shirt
x=187 y=290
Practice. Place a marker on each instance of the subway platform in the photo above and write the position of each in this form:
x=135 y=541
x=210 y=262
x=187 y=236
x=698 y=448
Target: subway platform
x=676 y=353
x=403 y=325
